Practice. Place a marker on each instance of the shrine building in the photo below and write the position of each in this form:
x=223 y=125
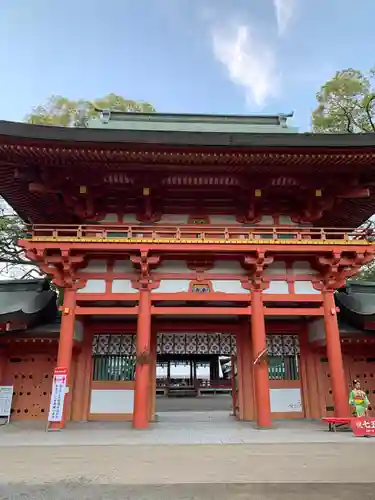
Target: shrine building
x=212 y=243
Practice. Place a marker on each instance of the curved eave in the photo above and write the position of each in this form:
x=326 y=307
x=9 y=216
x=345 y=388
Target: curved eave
x=356 y=309
x=57 y=147
x=14 y=132
x=27 y=307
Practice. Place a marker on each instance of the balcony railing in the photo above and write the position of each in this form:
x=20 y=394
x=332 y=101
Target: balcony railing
x=198 y=234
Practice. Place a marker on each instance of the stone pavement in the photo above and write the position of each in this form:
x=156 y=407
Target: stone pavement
x=185 y=456
x=174 y=428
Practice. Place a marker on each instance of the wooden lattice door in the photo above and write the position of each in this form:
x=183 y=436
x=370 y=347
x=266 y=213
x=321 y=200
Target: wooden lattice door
x=31 y=377
x=325 y=385
x=363 y=369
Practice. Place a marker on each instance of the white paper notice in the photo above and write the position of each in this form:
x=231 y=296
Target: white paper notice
x=58 y=395
x=6 y=396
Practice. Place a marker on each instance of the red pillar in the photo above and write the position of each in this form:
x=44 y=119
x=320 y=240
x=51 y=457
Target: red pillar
x=261 y=381
x=336 y=365
x=143 y=371
x=65 y=349
x=2 y=365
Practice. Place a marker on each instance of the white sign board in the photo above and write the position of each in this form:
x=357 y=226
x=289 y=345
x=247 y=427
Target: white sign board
x=6 y=396
x=58 y=395
x=286 y=400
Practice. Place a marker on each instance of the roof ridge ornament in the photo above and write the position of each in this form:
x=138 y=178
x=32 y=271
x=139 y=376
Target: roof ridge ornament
x=105 y=115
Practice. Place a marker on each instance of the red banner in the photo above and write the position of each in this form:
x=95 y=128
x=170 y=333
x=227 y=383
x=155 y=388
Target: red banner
x=363 y=426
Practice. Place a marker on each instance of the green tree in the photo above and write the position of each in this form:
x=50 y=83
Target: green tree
x=13 y=262
x=60 y=111
x=346 y=103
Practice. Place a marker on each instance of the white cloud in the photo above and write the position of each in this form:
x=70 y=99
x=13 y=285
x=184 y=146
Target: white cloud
x=250 y=63
x=285 y=11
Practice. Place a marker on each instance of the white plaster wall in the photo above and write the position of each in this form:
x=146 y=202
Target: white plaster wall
x=286 y=400
x=129 y=219
x=223 y=219
x=303 y=267
x=286 y=220
x=316 y=330
x=228 y=286
x=173 y=266
x=95 y=266
x=112 y=401
x=123 y=266
x=93 y=286
x=123 y=286
x=266 y=220
x=173 y=219
x=226 y=267
x=278 y=287
x=109 y=218
x=172 y=286
x=302 y=287
x=278 y=267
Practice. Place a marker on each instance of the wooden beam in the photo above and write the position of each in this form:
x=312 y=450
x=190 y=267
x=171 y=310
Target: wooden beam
x=356 y=193
x=113 y=311
x=315 y=246
x=199 y=297
x=292 y=297
x=293 y=311
x=201 y=311
x=100 y=297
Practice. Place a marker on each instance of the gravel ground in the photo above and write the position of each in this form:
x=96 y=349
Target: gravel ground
x=195 y=472
x=86 y=491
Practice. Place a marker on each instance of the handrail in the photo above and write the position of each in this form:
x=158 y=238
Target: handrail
x=199 y=232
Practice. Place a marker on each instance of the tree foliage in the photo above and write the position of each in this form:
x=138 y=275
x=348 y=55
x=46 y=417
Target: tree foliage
x=60 y=111
x=346 y=103
x=13 y=262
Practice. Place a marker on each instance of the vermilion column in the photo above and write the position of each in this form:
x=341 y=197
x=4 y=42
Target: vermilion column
x=143 y=371
x=261 y=381
x=65 y=349
x=336 y=365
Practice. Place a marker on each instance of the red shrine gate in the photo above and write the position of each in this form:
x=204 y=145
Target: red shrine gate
x=271 y=248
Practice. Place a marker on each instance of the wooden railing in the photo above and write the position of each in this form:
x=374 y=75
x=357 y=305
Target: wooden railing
x=158 y=233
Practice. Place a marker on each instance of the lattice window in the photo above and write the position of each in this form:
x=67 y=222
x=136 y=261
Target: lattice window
x=113 y=357
x=108 y=368
x=106 y=344
x=283 y=357
x=198 y=343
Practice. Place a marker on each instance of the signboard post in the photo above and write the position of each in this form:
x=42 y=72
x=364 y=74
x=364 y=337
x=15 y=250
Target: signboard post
x=6 y=396
x=56 y=409
x=363 y=426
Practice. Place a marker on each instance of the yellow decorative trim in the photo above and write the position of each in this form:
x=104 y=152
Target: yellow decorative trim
x=199 y=241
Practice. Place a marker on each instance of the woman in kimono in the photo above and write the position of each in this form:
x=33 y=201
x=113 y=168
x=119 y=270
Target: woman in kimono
x=358 y=400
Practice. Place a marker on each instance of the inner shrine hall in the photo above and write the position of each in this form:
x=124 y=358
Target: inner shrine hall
x=191 y=254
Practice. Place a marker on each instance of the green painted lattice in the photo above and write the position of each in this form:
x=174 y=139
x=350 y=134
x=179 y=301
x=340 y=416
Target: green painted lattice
x=283 y=367
x=114 y=367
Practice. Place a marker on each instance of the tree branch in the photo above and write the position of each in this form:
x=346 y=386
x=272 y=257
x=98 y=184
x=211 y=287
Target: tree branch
x=368 y=112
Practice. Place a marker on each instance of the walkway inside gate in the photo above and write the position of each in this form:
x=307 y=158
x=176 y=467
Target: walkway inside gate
x=194 y=374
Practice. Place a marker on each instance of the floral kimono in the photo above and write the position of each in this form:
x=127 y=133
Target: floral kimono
x=359 y=400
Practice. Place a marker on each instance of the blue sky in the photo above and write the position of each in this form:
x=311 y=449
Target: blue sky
x=206 y=56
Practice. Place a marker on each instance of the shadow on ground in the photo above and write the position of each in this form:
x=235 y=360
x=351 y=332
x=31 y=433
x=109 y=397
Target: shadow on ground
x=284 y=491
